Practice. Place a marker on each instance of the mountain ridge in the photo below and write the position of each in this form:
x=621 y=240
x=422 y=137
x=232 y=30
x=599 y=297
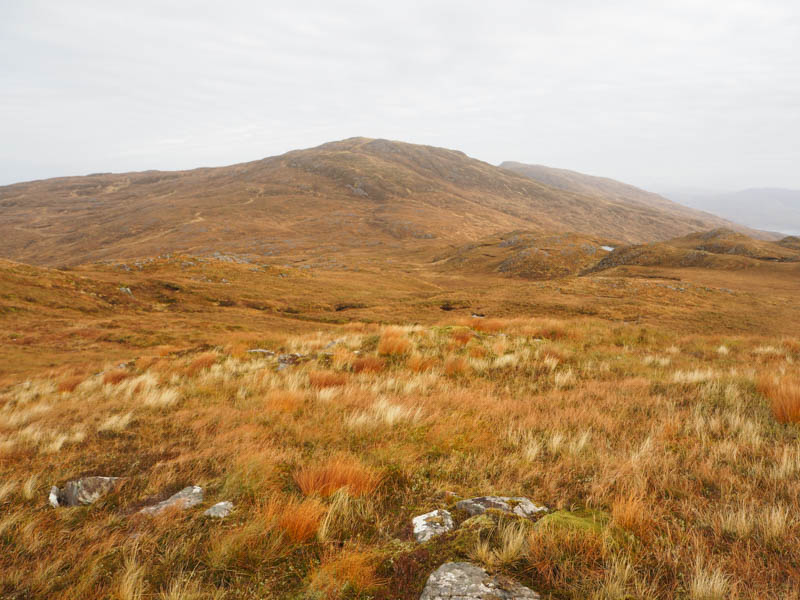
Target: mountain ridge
x=353 y=195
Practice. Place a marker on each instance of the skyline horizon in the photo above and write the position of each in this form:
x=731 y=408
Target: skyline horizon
x=656 y=95
x=654 y=187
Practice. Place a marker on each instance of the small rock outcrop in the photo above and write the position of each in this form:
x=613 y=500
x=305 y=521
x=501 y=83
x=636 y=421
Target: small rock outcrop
x=86 y=490
x=522 y=507
x=289 y=360
x=262 y=351
x=220 y=510
x=432 y=524
x=465 y=581
x=186 y=498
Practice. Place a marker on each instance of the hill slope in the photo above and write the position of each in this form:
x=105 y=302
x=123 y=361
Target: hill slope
x=347 y=195
x=721 y=249
x=774 y=209
x=528 y=255
x=616 y=191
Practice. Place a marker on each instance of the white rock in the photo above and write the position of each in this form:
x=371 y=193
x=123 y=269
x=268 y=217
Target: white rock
x=53 y=498
x=186 y=498
x=220 y=510
x=432 y=524
x=86 y=490
x=465 y=581
x=522 y=507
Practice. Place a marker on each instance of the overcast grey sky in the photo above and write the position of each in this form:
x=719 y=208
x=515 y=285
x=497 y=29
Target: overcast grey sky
x=670 y=93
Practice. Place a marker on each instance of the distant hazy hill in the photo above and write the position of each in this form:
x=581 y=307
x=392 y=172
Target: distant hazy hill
x=773 y=209
x=612 y=190
x=358 y=193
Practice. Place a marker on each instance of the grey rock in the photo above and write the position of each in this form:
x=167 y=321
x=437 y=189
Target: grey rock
x=126 y=290
x=522 y=507
x=86 y=490
x=261 y=351
x=285 y=360
x=186 y=498
x=220 y=510
x=465 y=581
x=432 y=524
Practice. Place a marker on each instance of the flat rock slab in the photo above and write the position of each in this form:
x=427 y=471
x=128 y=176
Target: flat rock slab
x=465 y=581
x=432 y=524
x=86 y=490
x=522 y=507
x=220 y=510
x=186 y=498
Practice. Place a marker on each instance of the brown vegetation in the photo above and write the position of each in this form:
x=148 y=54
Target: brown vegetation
x=784 y=396
x=334 y=474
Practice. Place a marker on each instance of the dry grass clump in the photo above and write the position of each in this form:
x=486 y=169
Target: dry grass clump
x=368 y=364
x=455 y=365
x=350 y=570
x=508 y=546
x=116 y=423
x=284 y=400
x=784 y=396
x=326 y=379
x=488 y=325
x=394 y=342
x=200 y=362
x=631 y=513
x=554 y=553
x=708 y=584
x=69 y=384
x=115 y=376
x=342 y=472
x=301 y=520
x=461 y=337
x=419 y=364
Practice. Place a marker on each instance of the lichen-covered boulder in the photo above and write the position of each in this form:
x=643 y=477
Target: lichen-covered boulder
x=522 y=507
x=465 y=581
x=220 y=510
x=432 y=524
x=186 y=498
x=86 y=490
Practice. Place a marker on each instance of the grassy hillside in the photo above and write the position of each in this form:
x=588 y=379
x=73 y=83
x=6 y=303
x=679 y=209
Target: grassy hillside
x=663 y=460
x=528 y=255
x=357 y=195
x=609 y=189
x=721 y=249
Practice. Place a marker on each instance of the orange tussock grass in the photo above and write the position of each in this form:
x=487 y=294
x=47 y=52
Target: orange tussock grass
x=478 y=352
x=630 y=512
x=488 y=325
x=301 y=520
x=791 y=344
x=784 y=396
x=553 y=352
x=353 y=569
x=394 y=342
x=337 y=473
x=145 y=362
x=419 y=363
x=284 y=400
x=325 y=379
x=552 y=551
x=461 y=337
x=114 y=377
x=70 y=383
x=368 y=364
x=455 y=365
x=203 y=361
